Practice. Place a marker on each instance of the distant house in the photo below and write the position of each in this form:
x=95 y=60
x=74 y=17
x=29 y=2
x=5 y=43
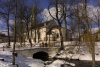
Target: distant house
x=93 y=37
x=47 y=31
x=97 y=35
x=86 y=38
x=3 y=38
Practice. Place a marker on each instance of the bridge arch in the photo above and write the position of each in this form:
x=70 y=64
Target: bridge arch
x=41 y=55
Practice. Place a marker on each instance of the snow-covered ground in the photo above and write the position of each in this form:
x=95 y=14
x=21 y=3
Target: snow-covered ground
x=69 y=52
x=79 y=52
x=26 y=62
x=21 y=61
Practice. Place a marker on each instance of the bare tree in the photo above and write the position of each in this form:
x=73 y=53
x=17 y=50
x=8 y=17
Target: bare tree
x=82 y=17
x=58 y=15
x=90 y=41
x=15 y=18
x=35 y=19
x=5 y=12
x=21 y=8
x=27 y=20
x=97 y=15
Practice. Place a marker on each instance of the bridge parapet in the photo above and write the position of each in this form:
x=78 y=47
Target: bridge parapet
x=30 y=52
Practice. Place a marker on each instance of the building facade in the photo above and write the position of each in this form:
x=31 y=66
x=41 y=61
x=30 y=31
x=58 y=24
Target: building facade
x=47 y=31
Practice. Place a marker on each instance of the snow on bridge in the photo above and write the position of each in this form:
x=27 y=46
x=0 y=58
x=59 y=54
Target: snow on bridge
x=51 y=51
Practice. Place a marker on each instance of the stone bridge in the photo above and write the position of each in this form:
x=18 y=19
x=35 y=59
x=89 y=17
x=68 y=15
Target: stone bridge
x=47 y=52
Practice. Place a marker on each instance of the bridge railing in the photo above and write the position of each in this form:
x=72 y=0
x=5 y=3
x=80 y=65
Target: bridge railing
x=53 y=44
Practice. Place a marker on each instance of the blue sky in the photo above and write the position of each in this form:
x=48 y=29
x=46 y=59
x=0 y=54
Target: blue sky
x=3 y=24
x=44 y=5
x=93 y=2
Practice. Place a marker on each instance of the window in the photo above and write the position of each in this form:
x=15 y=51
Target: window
x=57 y=35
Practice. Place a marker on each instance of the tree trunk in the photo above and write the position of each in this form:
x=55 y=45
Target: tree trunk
x=13 y=55
x=93 y=56
x=91 y=44
x=8 y=32
x=28 y=35
x=38 y=34
x=65 y=24
x=35 y=35
x=49 y=38
x=61 y=38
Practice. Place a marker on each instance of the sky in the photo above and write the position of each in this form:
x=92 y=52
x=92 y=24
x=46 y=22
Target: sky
x=44 y=5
